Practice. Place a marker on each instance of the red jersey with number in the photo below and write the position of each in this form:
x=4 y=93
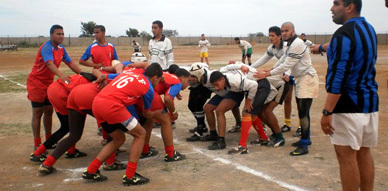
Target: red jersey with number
x=170 y=85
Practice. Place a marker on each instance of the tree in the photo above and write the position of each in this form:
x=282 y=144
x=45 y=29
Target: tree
x=87 y=29
x=132 y=32
x=259 y=34
x=145 y=35
x=170 y=32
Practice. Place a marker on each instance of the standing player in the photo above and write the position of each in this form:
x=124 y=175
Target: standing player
x=101 y=52
x=160 y=47
x=306 y=42
x=246 y=49
x=109 y=108
x=48 y=59
x=136 y=46
x=350 y=114
x=297 y=60
x=204 y=44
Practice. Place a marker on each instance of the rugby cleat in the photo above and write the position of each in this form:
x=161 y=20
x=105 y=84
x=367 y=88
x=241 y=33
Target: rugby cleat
x=39 y=158
x=76 y=154
x=151 y=153
x=297 y=143
x=136 y=179
x=176 y=157
x=46 y=170
x=235 y=129
x=299 y=151
x=97 y=177
x=276 y=142
x=240 y=149
x=260 y=142
x=298 y=132
x=116 y=165
x=218 y=145
x=285 y=128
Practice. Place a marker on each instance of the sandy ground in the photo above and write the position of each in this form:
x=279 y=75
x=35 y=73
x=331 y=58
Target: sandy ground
x=262 y=169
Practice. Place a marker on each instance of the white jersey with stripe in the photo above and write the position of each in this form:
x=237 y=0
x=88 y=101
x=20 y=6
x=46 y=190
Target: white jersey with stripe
x=161 y=52
x=206 y=83
x=239 y=82
x=272 y=51
x=296 y=59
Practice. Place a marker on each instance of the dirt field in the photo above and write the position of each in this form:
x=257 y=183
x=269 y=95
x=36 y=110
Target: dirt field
x=262 y=169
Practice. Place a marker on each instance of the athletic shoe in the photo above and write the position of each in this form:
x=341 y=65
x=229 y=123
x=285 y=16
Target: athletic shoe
x=297 y=143
x=46 y=170
x=299 y=151
x=195 y=137
x=218 y=145
x=116 y=165
x=298 y=132
x=276 y=142
x=235 y=129
x=173 y=126
x=39 y=158
x=104 y=142
x=209 y=138
x=285 y=128
x=99 y=131
x=176 y=157
x=76 y=154
x=239 y=149
x=260 y=142
x=136 y=179
x=157 y=125
x=97 y=177
x=121 y=150
x=195 y=129
x=52 y=146
x=151 y=153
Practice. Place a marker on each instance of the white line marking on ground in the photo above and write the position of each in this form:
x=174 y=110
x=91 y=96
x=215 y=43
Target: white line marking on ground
x=72 y=179
x=17 y=83
x=37 y=185
x=242 y=167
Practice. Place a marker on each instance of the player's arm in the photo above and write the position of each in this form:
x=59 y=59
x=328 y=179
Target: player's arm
x=74 y=67
x=319 y=48
x=48 y=59
x=251 y=87
x=172 y=92
x=53 y=68
x=139 y=64
x=208 y=43
x=264 y=59
x=169 y=54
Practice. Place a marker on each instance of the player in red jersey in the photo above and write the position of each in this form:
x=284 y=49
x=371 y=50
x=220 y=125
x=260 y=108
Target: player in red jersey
x=169 y=86
x=109 y=108
x=48 y=59
x=101 y=52
x=58 y=92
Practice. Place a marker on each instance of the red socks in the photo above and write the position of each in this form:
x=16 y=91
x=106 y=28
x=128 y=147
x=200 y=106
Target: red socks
x=94 y=166
x=259 y=128
x=111 y=159
x=146 y=148
x=71 y=150
x=37 y=142
x=40 y=150
x=50 y=160
x=131 y=169
x=169 y=150
x=246 y=124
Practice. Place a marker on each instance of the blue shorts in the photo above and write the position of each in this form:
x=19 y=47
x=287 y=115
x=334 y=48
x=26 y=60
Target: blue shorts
x=237 y=97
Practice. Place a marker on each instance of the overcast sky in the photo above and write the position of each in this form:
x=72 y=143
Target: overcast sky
x=189 y=17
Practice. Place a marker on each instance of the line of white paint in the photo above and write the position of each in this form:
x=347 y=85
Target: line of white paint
x=243 y=168
x=17 y=83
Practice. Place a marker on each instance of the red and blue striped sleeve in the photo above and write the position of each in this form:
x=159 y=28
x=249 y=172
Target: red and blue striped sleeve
x=174 y=90
x=47 y=52
x=66 y=58
x=148 y=96
x=87 y=53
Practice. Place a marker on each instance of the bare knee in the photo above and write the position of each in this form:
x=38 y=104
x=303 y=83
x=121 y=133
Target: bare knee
x=208 y=108
x=48 y=110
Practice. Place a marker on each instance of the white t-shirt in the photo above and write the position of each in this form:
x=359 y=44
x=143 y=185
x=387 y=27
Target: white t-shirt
x=204 y=44
x=161 y=52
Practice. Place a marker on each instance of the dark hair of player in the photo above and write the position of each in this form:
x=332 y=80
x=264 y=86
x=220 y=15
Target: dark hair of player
x=215 y=76
x=182 y=72
x=172 y=68
x=153 y=70
x=276 y=30
x=55 y=27
x=159 y=23
x=101 y=27
x=357 y=4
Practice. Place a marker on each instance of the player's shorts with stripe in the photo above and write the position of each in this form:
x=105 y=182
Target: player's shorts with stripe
x=37 y=89
x=58 y=95
x=263 y=90
x=204 y=54
x=237 y=97
x=355 y=129
x=81 y=97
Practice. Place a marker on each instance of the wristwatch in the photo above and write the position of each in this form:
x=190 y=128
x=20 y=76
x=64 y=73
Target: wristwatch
x=326 y=113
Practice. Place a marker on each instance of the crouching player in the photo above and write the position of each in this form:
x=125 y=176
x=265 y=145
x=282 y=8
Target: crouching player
x=109 y=108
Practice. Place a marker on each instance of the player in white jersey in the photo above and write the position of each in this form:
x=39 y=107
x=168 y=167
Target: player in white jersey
x=246 y=49
x=160 y=47
x=204 y=44
x=136 y=46
x=297 y=60
x=306 y=42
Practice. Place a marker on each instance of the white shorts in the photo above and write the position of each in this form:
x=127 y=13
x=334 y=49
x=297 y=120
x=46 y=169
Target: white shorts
x=306 y=86
x=355 y=129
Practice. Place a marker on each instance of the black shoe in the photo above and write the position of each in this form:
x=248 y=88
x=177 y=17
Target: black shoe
x=300 y=151
x=297 y=143
x=99 y=131
x=151 y=153
x=136 y=179
x=116 y=165
x=239 y=149
x=195 y=129
x=40 y=158
x=46 y=170
x=298 y=132
x=235 y=129
x=285 y=128
x=260 y=142
x=97 y=177
x=218 y=145
x=209 y=138
x=276 y=142
x=176 y=157
x=76 y=154
x=195 y=137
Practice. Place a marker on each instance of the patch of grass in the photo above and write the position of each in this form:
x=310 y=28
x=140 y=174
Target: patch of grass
x=7 y=86
x=9 y=129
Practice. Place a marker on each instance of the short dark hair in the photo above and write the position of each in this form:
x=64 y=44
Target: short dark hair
x=182 y=72
x=159 y=23
x=276 y=30
x=357 y=4
x=153 y=70
x=215 y=76
x=55 y=27
x=134 y=41
x=302 y=34
x=236 y=38
x=172 y=68
x=101 y=27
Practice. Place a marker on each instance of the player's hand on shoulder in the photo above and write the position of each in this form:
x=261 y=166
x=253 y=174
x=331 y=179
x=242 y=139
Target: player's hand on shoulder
x=179 y=96
x=244 y=69
x=65 y=79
